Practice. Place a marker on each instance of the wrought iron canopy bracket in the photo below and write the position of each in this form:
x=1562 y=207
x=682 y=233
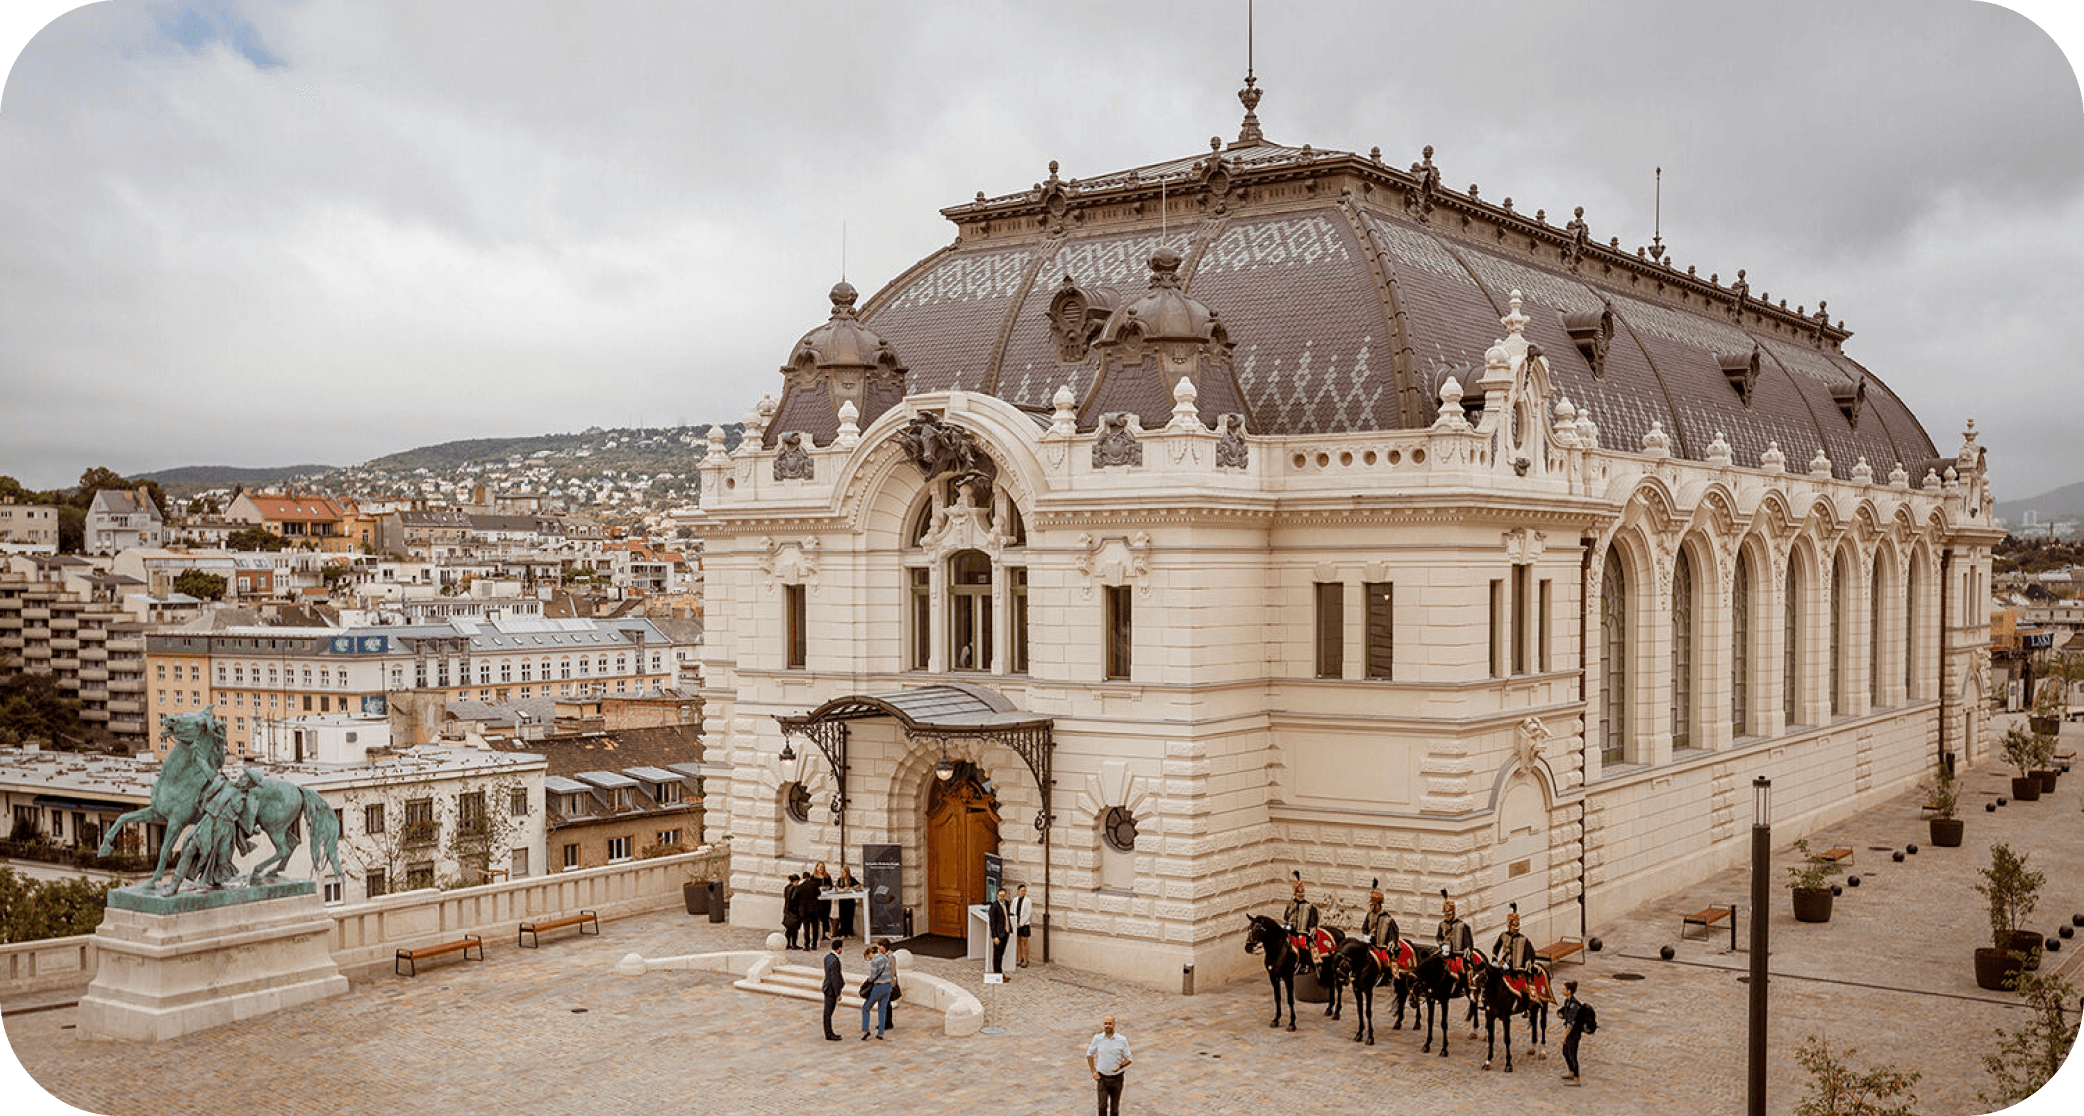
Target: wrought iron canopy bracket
x=831 y=739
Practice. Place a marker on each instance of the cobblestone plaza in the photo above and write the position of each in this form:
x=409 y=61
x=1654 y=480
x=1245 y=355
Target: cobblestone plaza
x=557 y=1031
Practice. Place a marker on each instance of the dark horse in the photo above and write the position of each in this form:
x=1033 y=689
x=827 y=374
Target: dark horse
x=1355 y=961
x=1433 y=982
x=1500 y=1001
x=1268 y=937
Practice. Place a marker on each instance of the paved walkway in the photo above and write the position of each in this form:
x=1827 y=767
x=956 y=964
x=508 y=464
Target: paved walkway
x=557 y=1032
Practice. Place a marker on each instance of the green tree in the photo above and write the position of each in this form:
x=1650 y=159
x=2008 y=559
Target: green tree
x=1837 y=1089
x=32 y=707
x=2027 y=1058
x=32 y=910
x=99 y=479
x=255 y=538
x=200 y=584
x=11 y=489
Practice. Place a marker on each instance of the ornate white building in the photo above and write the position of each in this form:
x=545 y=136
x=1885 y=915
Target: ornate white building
x=1330 y=521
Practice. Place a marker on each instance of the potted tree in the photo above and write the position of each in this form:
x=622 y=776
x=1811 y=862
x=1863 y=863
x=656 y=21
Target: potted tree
x=2012 y=890
x=1943 y=795
x=2044 y=760
x=2022 y=753
x=1811 y=883
x=2046 y=717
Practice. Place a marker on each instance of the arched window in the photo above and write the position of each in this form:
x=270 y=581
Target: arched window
x=969 y=611
x=1874 y=673
x=1613 y=637
x=1791 y=642
x=1740 y=648
x=1911 y=635
x=1840 y=574
x=1682 y=650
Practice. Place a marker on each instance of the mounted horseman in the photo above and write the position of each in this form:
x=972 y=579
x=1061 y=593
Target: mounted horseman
x=1443 y=973
x=1453 y=937
x=1513 y=983
x=1366 y=960
x=1300 y=918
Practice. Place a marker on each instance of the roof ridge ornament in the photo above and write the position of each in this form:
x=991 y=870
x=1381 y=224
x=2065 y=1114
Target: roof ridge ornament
x=1249 y=135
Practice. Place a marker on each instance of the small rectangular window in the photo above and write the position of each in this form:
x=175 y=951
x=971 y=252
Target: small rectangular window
x=517 y=803
x=1120 y=640
x=419 y=874
x=1020 y=620
x=571 y=856
x=1497 y=628
x=1331 y=629
x=375 y=883
x=1381 y=635
x=373 y=818
x=797 y=626
x=618 y=849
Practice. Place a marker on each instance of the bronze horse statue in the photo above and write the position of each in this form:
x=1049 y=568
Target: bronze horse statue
x=1268 y=937
x=278 y=806
x=197 y=755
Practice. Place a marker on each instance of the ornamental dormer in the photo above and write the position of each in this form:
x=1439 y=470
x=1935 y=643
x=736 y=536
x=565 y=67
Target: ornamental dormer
x=1152 y=343
x=842 y=361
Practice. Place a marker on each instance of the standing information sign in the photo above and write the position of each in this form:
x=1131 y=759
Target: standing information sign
x=882 y=874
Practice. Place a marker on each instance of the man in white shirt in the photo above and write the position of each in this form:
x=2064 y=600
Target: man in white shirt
x=1107 y=1056
x=1023 y=913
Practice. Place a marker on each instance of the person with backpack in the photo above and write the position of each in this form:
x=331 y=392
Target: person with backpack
x=1578 y=1019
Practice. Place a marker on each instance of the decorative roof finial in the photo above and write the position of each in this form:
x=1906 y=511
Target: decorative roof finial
x=1250 y=134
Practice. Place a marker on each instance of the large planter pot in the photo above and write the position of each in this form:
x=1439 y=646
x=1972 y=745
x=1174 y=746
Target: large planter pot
x=697 y=897
x=2026 y=788
x=1946 y=832
x=1309 y=989
x=2045 y=726
x=2047 y=779
x=1995 y=969
x=1812 y=904
x=2028 y=942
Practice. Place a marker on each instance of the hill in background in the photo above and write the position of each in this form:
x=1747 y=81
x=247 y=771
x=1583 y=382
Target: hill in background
x=223 y=476
x=2066 y=502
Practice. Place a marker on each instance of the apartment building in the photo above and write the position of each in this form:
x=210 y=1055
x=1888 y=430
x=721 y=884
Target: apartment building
x=120 y=519
x=28 y=528
x=60 y=616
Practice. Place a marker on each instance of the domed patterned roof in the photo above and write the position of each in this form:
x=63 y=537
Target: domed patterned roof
x=1163 y=313
x=1351 y=290
x=842 y=361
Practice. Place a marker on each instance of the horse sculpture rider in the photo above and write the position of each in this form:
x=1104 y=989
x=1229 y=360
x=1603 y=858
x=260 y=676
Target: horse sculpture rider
x=224 y=833
x=1300 y=918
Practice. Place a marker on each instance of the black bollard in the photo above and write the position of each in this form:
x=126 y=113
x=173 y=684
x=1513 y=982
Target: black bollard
x=2053 y=944
x=2077 y=920
x=1990 y=807
x=2067 y=931
x=1852 y=881
x=1837 y=889
x=1596 y=945
x=1897 y=857
x=1911 y=849
x=1667 y=953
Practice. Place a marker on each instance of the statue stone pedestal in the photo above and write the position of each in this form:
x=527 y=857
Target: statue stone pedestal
x=173 y=965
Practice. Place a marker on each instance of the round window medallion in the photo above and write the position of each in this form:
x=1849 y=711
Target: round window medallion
x=1120 y=829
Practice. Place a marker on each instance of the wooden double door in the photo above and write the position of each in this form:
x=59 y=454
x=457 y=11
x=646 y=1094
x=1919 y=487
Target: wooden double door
x=962 y=826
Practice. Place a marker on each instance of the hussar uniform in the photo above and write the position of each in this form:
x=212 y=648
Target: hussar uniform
x=1301 y=919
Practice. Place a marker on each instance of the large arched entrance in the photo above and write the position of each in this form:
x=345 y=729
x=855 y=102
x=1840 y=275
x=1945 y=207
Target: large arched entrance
x=962 y=827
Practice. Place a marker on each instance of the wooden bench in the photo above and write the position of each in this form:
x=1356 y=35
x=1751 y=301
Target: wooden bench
x=413 y=957
x=534 y=929
x=1550 y=954
x=2065 y=759
x=1707 y=917
x=1840 y=855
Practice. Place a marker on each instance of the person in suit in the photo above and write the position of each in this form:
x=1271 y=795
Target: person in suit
x=1001 y=929
x=835 y=982
x=811 y=908
x=792 y=908
x=1023 y=916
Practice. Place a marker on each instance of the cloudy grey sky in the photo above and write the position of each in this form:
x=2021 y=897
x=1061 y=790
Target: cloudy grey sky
x=265 y=233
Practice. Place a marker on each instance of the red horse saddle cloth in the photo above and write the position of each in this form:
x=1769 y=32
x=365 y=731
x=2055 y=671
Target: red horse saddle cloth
x=1321 y=938
x=1454 y=966
x=1400 y=958
x=1517 y=983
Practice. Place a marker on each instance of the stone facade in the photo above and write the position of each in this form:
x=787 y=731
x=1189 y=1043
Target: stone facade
x=1495 y=650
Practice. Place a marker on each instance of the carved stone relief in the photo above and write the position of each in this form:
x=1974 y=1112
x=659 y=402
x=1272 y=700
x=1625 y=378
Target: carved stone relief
x=1231 y=450
x=793 y=462
x=1116 y=445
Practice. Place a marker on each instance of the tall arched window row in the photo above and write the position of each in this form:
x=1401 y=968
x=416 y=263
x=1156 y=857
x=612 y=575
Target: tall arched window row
x=1791 y=642
x=1740 y=649
x=1613 y=636
x=1682 y=650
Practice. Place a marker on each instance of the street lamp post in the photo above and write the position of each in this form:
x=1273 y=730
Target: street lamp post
x=1761 y=902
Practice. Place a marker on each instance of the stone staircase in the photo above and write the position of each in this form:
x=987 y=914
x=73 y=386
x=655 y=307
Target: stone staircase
x=800 y=982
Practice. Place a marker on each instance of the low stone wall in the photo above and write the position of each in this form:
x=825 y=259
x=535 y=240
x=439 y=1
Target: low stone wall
x=367 y=935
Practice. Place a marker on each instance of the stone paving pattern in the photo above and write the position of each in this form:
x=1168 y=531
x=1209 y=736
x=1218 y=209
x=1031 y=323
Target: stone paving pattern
x=556 y=1032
